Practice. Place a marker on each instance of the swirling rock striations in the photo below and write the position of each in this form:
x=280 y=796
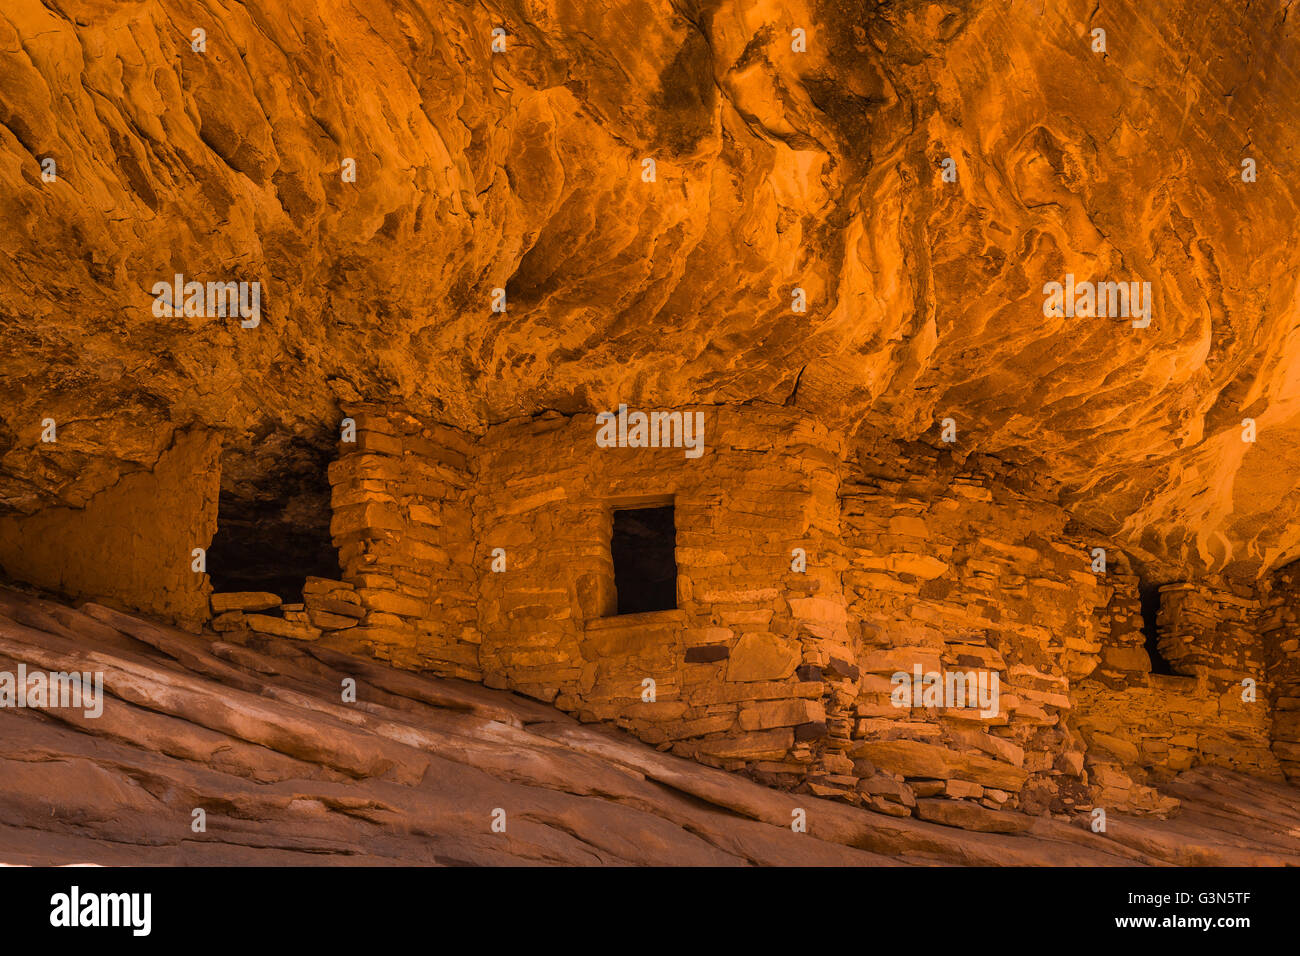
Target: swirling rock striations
x=778 y=165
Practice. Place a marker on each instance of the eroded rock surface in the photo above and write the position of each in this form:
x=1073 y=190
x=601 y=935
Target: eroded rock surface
x=775 y=169
x=255 y=733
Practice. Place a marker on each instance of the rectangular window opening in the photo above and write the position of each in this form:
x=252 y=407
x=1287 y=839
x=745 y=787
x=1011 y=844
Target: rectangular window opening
x=645 y=562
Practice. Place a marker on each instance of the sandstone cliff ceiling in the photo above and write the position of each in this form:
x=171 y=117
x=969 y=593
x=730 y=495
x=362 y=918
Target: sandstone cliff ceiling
x=775 y=169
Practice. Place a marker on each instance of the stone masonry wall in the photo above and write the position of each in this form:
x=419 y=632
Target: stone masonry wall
x=1142 y=727
x=400 y=496
x=1208 y=630
x=745 y=668
x=1279 y=626
x=951 y=570
x=489 y=558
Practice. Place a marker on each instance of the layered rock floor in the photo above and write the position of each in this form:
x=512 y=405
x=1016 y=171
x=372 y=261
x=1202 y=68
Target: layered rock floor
x=253 y=730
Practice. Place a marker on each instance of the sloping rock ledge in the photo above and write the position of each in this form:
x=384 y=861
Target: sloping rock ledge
x=254 y=732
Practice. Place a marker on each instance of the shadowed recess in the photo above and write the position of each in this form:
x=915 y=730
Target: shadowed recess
x=273 y=521
x=645 y=568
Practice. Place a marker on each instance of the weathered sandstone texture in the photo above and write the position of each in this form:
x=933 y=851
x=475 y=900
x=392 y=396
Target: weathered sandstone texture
x=776 y=169
x=250 y=728
x=488 y=558
x=133 y=543
x=811 y=569
x=825 y=228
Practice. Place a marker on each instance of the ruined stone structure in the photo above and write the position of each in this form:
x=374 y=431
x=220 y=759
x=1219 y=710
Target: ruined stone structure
x=911 y=560
x=824 y=231
x=810 y=569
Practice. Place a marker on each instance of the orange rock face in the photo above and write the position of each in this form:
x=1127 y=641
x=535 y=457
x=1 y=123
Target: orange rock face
x=779 y=164
x=964 y=344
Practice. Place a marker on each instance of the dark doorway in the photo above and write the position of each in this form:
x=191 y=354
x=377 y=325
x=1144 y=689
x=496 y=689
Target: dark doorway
x=1149 y=594
x=645 y=564
x=273 y=519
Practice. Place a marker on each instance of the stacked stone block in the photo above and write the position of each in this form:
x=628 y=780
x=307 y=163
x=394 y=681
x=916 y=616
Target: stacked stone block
x=1141 y=728
x=327 y=607
x=1280 y=629
x=1209 y=632
x=742 y=673
x=1124 y=659
x=952 y=570
x=489 y=558
x=402 y=528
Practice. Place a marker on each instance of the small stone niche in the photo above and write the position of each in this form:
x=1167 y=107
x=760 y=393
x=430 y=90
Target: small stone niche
x=643 y=546
x=1149 y=595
